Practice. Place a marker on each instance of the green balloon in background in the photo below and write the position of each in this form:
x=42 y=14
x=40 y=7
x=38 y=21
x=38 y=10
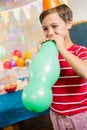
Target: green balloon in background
x=2 y=52
x=44 y=72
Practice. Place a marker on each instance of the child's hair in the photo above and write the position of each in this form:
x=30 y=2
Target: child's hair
x=63 y=11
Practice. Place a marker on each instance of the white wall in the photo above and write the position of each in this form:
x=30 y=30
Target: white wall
x=79 y=8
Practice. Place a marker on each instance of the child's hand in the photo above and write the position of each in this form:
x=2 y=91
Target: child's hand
x=40 y=44
x=59 y=41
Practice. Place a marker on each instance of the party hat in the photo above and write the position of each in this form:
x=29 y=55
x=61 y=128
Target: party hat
x=48 y=4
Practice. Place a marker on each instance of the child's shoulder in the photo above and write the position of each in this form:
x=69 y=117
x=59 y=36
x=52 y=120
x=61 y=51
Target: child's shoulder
x=77 y=46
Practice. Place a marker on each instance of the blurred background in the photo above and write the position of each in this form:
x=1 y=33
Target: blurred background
x=19 y=23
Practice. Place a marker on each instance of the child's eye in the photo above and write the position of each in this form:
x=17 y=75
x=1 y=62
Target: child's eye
x=54 y=26
x=44 y=29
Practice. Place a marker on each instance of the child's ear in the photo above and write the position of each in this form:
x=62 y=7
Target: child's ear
x=69 y=24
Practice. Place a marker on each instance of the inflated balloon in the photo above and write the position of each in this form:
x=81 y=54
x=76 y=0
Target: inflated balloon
x=36 y=97
x=20 y=62
x=7 y=65
x=13 y=62
x=28 y=55
x=15 y=57
x=17 y=53
x=44 y=71
x=2 y=52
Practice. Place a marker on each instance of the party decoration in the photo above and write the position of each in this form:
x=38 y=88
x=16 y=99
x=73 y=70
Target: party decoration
x=44 y=71
x=48 y=4
x=65 y=1
x=5 y=17
x=7 y=65
x=13 y=62
x=2 y=52
x=28 y=55
x=16 y=14
x=17 y=53
x=20 y=62
x=15 y=57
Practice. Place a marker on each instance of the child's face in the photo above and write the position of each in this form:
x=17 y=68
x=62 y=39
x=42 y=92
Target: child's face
x=53 y=25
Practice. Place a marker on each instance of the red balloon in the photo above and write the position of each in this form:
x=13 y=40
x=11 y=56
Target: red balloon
x=17 y=53
x=7 y=65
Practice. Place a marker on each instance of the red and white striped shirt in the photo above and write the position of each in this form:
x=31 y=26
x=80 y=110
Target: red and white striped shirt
x=70 y=91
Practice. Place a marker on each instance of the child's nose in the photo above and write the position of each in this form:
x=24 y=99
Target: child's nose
x=50 y=33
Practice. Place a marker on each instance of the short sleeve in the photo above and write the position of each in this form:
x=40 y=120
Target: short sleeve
x=82 y=53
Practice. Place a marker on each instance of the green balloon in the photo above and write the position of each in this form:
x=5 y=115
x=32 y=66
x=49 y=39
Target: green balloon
x=45 y=65
x=44 y=71
x=2 y=52
x=36 y=97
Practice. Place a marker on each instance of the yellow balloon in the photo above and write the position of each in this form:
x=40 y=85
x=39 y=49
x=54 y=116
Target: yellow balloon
x=28 y=55
x=15 y=57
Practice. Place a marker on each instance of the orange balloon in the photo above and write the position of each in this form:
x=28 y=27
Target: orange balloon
x=20 y=62
x=48 y=4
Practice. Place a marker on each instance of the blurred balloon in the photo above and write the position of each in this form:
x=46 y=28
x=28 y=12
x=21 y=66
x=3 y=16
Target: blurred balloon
x=13 y=62
x=2 y=52
x=15 y=57
x=20 y=62
x=28 y=55
x=44 y=71
x=7 y=65
x=17 y=53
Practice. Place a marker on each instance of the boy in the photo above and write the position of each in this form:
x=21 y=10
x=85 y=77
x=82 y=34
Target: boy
x=69 y=105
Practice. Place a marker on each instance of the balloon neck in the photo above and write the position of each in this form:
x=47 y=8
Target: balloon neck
x=50 y=46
